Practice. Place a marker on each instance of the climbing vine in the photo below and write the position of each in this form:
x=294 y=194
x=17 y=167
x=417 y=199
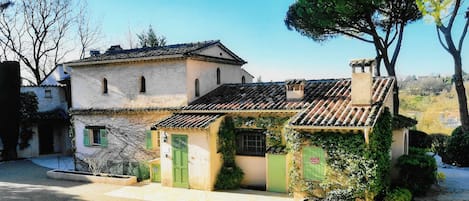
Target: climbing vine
x=274 y=127
x=230 y=175
x=354 y=169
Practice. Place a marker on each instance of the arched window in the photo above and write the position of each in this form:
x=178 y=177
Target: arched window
x=143 y=87
x=197 y=88
x=243 y=80
x=104 y=86
x=218 y=76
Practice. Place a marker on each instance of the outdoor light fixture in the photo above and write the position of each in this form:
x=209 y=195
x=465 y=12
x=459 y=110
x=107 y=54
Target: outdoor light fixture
x=165 y=137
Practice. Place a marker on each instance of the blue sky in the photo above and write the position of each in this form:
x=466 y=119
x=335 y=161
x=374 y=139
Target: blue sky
x=255 y=31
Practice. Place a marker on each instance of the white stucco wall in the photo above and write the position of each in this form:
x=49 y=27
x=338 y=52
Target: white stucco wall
x=206 y=72
x=125 y=134
x=400 y=143
x=254 y=168
x=165 y=85
x=198 y=160
x=56 y=100
x=216 y=51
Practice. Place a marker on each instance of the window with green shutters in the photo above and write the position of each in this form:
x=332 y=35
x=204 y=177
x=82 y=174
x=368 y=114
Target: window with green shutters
x=314 y=164
x=148 y=139
x=95 y=136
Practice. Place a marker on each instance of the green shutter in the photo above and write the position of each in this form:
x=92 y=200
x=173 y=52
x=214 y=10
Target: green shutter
x=103 y=136
x=86 y=137
x=148 y=139
x=314 y=164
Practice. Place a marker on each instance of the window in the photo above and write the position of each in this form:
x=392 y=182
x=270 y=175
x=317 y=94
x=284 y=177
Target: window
x=218 y=76
x=47 y=93
x=143 y=87
x=104 y=86
x=250 y=142
x=95 y=136
x=152 y=138
x=197 y=88
x=243 y=80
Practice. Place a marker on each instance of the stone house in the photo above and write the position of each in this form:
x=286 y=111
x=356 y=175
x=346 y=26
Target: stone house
x=266 y=116
x=118 y=95
x=47 y=132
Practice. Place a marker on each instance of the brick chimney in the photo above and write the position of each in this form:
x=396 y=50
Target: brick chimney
x=362 y=81
x=295 y=89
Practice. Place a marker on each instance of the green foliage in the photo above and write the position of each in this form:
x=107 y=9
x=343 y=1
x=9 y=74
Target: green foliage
x=441 y=176
x=439 y=143
x=457 y=150
x=229 y=178
x=321 y=20
x=28 y=106
x=230 y=175
x=353 y=167
x=150 y=39
x=274 y=127
x=141 y=170
x=399 y=194
x=417 y=171
x=419 y=139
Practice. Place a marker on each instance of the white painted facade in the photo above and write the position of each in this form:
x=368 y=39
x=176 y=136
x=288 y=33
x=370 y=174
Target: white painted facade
x=50 y=98
x=169 y=83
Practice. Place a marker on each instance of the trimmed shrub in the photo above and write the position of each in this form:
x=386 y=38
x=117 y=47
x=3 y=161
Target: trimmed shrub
x=417 y=171
x=419 y=139
x=140 y=169
x=399 y=194
x=439 y=144
x=229 y=178
x=457 y=150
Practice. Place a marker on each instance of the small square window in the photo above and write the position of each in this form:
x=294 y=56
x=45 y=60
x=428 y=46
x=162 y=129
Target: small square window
x=250 y=142
x=47 y=93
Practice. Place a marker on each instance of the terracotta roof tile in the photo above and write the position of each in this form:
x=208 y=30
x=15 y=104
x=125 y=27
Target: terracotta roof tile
x=327 y=103
x=334 y=108
x=180 y=50
x=188 y=121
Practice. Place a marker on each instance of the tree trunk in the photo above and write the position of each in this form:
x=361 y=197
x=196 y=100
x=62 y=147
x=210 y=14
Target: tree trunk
x=461 y=91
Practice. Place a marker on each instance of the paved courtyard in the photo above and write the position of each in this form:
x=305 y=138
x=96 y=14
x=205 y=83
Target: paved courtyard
x=23 y=180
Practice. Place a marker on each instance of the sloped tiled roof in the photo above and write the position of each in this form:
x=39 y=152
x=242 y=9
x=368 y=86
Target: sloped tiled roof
x=333 y=106
x=188 y=121
x=178 y=50
x=326 y=103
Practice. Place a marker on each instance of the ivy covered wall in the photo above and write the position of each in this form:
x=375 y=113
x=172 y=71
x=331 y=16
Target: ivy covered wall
x=353 y=169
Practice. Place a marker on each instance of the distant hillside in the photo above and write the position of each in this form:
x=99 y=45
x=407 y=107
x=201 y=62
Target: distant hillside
x=432 y=102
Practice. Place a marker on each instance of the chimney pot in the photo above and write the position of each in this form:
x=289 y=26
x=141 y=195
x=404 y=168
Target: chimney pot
x=295 y=89
x=362 y=81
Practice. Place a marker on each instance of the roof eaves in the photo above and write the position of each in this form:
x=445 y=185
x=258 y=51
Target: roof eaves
x=136 y=59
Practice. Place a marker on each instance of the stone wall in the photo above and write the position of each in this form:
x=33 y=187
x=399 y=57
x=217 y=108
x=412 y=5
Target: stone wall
x=126 y=139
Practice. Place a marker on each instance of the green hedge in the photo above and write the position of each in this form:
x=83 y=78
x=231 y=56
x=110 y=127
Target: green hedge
x=417 y=171
x=399 y=194
x=457 y=150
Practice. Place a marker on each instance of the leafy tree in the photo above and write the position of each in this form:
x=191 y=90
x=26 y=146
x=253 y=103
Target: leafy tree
x=150 y=39
x=440 y=10
x=379 y=22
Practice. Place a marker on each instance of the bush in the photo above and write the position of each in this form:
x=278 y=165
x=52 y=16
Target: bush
x=417 y=171
x=419 y=139
x=141 y=170
x=399 y=194
x=457 y=150
x=439 y=144
x=229 y=178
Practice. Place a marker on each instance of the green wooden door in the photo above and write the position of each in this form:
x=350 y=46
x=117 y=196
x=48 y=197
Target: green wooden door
x=180 y=161
x=155 y=173
x=314 y=164
x=277 y=173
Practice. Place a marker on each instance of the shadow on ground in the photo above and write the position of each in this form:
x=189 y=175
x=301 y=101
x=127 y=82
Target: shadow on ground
x=25 y=172
x=27 y=192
